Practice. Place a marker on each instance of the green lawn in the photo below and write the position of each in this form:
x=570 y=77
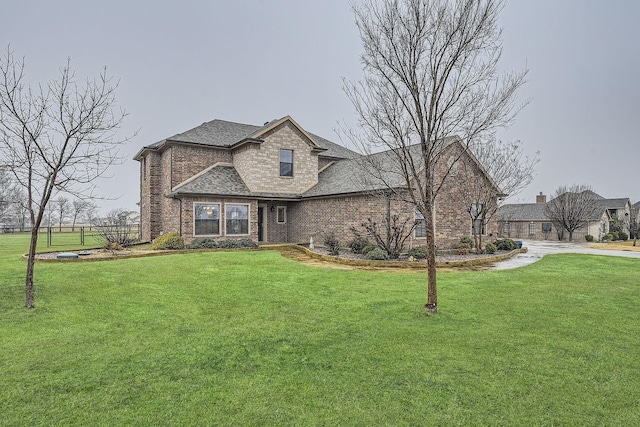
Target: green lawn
x=251 y=338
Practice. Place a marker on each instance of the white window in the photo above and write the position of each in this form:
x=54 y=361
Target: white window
x=281 y=215
x=505 y=228
x=532 y=228
x=421 y=225
x=206 y=219
x=477 y=224
x=237 y=219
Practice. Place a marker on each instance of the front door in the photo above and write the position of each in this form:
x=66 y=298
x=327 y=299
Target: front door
x=260 y=224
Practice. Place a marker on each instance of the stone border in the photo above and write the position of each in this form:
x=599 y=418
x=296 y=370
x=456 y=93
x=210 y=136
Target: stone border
x=150 y=253
x=406 y=264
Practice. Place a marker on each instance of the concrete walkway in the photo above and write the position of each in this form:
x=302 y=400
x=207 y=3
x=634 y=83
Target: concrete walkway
x=537 y=249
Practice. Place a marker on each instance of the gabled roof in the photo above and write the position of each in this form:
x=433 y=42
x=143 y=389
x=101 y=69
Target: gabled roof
x=225 y=134
x=220 y=180
x=523 y=212
x=614 y=203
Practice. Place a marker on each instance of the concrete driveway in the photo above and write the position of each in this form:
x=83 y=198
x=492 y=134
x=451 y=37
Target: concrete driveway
x=537 y=249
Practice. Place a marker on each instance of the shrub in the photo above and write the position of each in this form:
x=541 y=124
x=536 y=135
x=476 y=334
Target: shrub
x=377 y=254
x=506 y=244
x=623 y=236
x=368 y=248
x=613 y=235
x=113 y=246
x=168 y=241
x=463 y=248
x=209 y=243
x=468 y=241
x=332 y=244
x=589 y=238
x=358 y=244
x=605 y=238
x=418 y=252
x=490 y=248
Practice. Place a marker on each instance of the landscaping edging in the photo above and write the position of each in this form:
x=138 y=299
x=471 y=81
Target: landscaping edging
x=150 y=253
x=489 y=259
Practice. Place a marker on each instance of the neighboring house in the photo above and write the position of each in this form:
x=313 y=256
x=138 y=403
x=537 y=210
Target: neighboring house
x=278 y=183
x=530 y=221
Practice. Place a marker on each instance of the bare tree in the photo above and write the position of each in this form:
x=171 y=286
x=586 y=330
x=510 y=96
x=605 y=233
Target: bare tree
x=77 y=208
x=7 y=193
x=63 y=210
x=509 y=171
x=572 y=208
x=55 y=137
x=90 y=214
x=634 y=224
x=430 y=72
x=117 y=228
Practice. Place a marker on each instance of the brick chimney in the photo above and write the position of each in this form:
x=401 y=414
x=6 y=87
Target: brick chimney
x=541 y=198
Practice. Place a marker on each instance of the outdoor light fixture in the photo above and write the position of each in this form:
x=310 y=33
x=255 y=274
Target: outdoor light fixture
x=272 y=208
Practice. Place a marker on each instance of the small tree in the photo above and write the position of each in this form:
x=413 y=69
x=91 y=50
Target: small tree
x=116 y=228
x=77 y=208
x=572 y=208
x=57 y=137
x=430 y=72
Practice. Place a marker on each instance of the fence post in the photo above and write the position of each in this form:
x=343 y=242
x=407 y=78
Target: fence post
x=49 y=236
x=82 y=235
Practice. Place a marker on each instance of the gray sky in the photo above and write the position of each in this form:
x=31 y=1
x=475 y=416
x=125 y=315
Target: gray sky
x=183 y=63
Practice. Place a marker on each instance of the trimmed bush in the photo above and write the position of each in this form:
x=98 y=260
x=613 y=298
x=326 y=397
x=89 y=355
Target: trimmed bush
x=377 y=254
x=358 y=244
x=368 y=248
x=468 y=241
x=623 y=236
x=209 y=243
x=463 y=248
x=418 y=252
x=332 y=244
x=613 y=235
x=588 y=238
x=490 y=248
x=168 y=241
x=506 y=244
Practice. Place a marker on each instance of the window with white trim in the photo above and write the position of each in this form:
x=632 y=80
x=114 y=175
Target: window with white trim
x=281 y=215
x=478 y=224
x=505 y=228
x=206 y=219
x=237 y=219
x=532 y=228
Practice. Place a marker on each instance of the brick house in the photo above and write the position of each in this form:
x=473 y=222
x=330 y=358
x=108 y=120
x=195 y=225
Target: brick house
x=279 y=183
x=530 y=221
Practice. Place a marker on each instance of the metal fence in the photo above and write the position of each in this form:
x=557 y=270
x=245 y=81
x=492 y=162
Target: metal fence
x=84 y=235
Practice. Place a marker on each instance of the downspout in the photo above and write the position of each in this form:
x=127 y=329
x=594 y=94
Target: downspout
x=180 y=217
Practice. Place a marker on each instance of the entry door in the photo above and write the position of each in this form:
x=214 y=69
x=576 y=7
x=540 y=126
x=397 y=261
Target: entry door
x=260 y=224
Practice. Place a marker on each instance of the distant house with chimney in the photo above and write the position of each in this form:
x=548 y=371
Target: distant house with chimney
x=530 y=220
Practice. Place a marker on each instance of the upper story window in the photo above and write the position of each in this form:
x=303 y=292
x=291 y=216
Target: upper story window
x=286 y=162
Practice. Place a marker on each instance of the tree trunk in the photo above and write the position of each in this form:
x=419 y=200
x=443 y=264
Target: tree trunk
x=432 y=291
x=571 y=236
x=31 y=259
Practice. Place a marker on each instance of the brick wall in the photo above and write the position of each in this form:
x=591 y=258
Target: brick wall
x=259 y=164
x=189 y=160
x=150 y=187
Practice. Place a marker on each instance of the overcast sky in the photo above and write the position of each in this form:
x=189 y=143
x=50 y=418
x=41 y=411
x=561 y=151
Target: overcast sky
x=184 y=63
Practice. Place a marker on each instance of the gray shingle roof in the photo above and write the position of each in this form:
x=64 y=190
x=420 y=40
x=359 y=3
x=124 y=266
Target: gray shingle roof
x=221 y=181
x=523 y=212
x=224 y=134
x=614 y=203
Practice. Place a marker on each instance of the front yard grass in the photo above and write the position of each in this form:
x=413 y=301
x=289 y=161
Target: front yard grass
x=252 y=338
